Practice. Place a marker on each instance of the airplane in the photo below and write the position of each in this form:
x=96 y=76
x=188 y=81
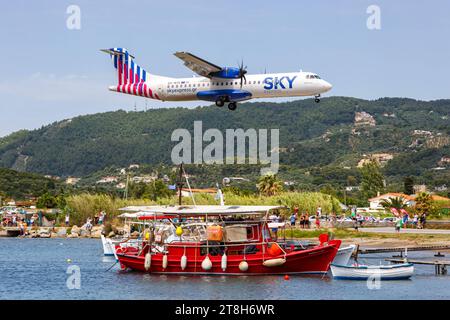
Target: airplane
x=216 y=84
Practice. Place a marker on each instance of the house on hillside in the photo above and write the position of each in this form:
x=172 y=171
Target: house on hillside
x=381 y=158
x=108 y=179
x=418 y=188
x=72 y=180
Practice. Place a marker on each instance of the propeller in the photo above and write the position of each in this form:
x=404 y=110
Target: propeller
x=242 y=72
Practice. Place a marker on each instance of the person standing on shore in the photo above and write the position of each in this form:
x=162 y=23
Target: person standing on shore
x=317 y=221
x=423 y=220
x=398 y=225
x=302 y=221
x=307 y=220
x=101 y=217
x=415 y=220
x=292 y=219
x=405 y=218
x=66 y=219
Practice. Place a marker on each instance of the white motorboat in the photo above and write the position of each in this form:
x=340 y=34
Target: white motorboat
x=108 y=246
x=363 y=272
x=343 y=255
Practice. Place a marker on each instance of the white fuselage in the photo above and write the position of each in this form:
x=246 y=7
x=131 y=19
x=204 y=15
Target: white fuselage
x=258 y=85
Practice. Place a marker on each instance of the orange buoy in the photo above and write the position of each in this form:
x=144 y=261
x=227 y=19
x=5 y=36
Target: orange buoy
x=286 y=277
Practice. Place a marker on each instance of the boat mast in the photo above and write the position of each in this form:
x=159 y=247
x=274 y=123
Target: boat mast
x=180 y=184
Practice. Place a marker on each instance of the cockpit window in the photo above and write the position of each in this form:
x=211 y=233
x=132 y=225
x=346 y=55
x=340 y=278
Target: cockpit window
x=312 y=76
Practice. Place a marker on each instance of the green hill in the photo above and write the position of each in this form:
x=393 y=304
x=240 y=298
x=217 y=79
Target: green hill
x=19 y=185
x=316 y=140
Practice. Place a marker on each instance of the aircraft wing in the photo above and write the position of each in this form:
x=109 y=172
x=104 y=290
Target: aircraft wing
x=198 y=65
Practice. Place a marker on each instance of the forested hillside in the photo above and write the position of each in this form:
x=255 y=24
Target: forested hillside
x=329 y=138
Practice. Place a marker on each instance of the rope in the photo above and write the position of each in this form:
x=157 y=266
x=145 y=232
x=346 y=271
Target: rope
x=111 y=266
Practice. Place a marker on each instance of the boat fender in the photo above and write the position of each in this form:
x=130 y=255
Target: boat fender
x=224 y=262
x=243 y=266
x=147 y=261
x=165 y=261
x=274 y=262
x=179 y=231
x=206 y=264
x=183 y=262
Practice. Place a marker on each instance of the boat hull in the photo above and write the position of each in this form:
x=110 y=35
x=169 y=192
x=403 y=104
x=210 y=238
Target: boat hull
x=108 y=246
x=315 y=260
x=343 y=255
x=395 y=272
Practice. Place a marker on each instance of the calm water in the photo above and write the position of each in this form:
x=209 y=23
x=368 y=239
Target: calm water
x=36 y=269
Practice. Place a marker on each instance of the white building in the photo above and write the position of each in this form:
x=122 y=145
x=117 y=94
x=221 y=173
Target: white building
x=375 y=202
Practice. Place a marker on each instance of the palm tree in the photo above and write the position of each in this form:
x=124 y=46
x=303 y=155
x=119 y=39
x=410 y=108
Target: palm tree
x=424 y=203
x=397 y=203
x=269 y=185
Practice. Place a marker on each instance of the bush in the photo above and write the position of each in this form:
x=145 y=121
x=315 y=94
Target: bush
x=87 y=205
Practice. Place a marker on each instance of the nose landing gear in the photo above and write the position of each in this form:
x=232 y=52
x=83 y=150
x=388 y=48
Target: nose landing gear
x=317 y=98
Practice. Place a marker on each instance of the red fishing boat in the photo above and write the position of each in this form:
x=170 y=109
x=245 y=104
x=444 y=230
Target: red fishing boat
x=220 y=240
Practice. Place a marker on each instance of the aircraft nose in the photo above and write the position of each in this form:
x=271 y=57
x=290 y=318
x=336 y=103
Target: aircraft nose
x=327 y=86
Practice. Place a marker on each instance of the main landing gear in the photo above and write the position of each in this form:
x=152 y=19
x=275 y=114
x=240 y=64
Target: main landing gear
x=221 y=102
x=232 y=106
x=317 y=98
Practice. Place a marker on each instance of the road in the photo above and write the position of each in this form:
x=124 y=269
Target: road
x=413 y=231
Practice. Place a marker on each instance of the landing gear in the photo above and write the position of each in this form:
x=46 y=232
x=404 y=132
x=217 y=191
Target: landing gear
x=232 y=106
x=220 y=102
x=317 y=98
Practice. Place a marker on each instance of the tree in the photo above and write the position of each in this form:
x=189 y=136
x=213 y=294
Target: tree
x=397 y=203
x=46 y=201
x=269 y=185
x=424 y=203
x=408 y=185
x=157 y=189
x=372 y=180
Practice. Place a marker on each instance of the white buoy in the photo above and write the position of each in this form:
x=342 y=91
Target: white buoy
x=183 y=262
x=206 y=264
x=165 y=261
x=224 y=262
x=148 y=261
x=243 y=266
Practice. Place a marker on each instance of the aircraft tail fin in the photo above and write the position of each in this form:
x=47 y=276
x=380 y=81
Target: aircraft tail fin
x=131 y=78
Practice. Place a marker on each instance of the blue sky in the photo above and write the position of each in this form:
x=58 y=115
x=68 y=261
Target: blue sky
x=51 y=73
